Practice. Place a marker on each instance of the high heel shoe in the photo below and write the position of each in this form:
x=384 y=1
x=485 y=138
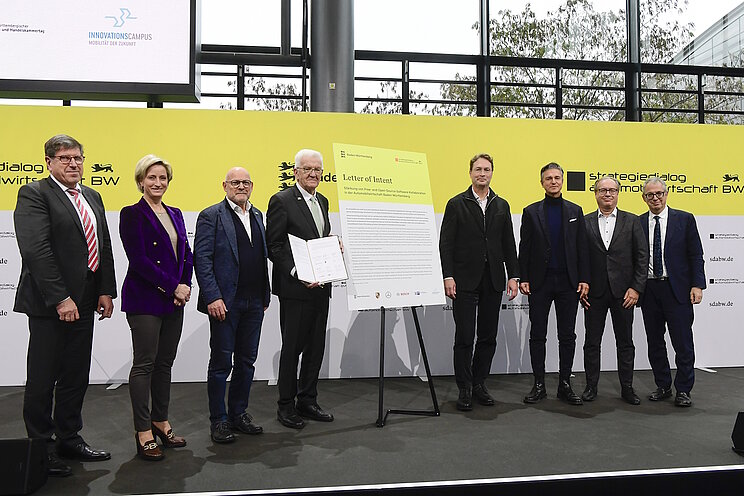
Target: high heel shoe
x=168 y=439
x=150 y=451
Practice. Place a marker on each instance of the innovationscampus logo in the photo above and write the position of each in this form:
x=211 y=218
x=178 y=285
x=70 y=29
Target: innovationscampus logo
x=121 y=19
x=121 y=34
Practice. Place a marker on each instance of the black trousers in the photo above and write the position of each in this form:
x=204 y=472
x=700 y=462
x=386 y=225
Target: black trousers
x=661 y=310
x=57 y=371
x=558 y=289
x=154 y=343
x=303 y=325
x=476 y=313
x=622 y=324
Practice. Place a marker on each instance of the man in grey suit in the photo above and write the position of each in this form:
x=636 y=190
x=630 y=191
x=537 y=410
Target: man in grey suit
x=618 y=254
x=67 y=275
x=230 y=264
x=303 y=306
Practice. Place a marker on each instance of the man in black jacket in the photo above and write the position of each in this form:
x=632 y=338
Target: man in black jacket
x=554 y=265
x=618 y=253
x=476 y=242
x=303 y=307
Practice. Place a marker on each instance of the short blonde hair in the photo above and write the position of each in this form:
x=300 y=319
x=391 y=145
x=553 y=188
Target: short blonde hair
x=144 y=164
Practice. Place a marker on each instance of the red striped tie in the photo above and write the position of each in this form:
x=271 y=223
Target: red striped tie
x=90 y=233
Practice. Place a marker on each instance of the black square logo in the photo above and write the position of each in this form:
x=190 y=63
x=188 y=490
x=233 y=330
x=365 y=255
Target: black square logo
x=712 y=236
x=575 y=181
x=503 y=306
x=712 y=281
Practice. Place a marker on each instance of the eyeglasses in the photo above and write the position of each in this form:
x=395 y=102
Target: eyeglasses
x=66 y=159
x=311 y=170
x=604 y=191
x=654 y=194
x=235 y=183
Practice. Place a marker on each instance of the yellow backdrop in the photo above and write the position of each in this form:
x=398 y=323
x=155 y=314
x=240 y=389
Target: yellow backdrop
x=701 y=162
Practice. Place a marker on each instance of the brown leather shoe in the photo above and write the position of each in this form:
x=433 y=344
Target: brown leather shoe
x=168 y=439
x=150 y=451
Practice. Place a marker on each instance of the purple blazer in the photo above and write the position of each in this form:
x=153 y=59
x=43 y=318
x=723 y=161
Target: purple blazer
x=154 y=270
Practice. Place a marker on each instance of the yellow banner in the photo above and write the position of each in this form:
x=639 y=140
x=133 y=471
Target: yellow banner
x=701 y=163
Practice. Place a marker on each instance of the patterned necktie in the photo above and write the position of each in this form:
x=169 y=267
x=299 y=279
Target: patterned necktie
x=658 y=267
x=90 y=233
x=317 y=215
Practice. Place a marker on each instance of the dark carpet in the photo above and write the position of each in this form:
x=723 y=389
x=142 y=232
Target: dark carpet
x=509 y=439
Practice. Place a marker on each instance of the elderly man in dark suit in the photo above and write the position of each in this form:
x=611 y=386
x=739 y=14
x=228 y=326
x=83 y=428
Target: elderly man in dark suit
x=231 y=268
x=303 y=307
x=676 y=279
x=67 y=275
x=554 y=267
x=618 y=252
x=475 y=244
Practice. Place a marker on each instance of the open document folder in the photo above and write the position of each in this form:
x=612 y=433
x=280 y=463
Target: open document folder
x=318 y=260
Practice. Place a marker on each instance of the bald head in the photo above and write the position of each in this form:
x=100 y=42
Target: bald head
x=236 y=171
x=238 y=186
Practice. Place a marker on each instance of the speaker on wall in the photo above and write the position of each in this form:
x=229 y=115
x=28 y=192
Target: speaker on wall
x=23 y=465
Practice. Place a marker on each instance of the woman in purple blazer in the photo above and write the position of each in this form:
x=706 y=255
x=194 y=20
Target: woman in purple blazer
x=155 y=290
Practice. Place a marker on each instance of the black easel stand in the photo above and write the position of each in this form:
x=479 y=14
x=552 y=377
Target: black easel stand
x=381 y=419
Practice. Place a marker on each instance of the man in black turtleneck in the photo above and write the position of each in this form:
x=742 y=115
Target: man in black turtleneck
x=554 y=265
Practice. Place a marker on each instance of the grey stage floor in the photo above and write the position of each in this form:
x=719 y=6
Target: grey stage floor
x=506 y=440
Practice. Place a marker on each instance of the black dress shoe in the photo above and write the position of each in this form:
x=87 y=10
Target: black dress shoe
x=589 y=394
x=465 y=400
x=56 y=467
x=81 y=451
x=682 y=399
x=221 y=433
x=536 y=394
x=314 y=412
x=661 y=393
x=480 y=393
x=566 y=393
x=630 y=396
x=245 y=424
x=290 y=419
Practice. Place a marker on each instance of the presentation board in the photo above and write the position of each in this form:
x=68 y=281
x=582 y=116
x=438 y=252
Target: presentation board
x=387 y=217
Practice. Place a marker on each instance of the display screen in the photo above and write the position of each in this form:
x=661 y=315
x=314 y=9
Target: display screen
x=132 y=47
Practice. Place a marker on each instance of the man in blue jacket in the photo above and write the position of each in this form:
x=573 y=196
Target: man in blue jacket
x=230 y=265
x=676 y=280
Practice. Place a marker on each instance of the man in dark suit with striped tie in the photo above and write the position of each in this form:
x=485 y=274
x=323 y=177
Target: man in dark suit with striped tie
x=67 y=274
x=676 y=279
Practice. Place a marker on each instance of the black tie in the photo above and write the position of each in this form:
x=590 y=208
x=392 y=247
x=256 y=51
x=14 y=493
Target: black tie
x=658 y=267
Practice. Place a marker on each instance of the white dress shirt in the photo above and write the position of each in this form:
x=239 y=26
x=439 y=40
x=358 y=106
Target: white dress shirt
x=309 y=199
x=245 y=217
x=607 y=226
x=83 y=202
x=663 y=218
x=481 y=203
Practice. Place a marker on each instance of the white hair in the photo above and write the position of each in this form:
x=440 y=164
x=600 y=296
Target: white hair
x=307 y=153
